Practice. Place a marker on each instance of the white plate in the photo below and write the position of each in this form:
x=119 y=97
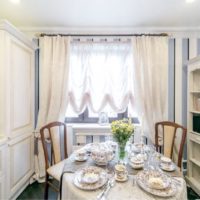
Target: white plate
x=103 y=177
x=168 y=167
x=143 y=180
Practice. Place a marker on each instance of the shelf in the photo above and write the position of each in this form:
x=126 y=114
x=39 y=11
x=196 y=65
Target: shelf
x=194 y=138
x=195 y=111
x=195 y=161
x=194 y=184
x=195 y=92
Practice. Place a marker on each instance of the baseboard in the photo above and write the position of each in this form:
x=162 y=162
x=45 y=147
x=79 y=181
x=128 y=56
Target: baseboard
x=15 y=195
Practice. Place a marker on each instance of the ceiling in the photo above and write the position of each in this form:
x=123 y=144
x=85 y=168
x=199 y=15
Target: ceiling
x=102 y=13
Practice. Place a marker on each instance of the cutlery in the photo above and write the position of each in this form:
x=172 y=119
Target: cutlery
x=110 y=184
x=99 y=196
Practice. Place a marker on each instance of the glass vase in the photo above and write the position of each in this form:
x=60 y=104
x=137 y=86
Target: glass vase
x=121 y=153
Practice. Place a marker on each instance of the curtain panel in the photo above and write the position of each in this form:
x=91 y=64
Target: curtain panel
x=150 y=55
x=53 y=89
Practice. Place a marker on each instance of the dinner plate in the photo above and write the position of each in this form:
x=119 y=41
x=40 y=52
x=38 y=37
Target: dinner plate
x=143 y=181
x=79 y=183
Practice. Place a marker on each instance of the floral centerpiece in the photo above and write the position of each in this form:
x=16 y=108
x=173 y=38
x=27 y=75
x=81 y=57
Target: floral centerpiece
x=122 y=131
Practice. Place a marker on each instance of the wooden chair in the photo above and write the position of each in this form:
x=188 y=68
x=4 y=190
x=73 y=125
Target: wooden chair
x=170 y=139
x=54 y=142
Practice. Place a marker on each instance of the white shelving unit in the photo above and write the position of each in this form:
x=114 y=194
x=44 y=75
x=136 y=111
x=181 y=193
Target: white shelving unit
x=193 y=137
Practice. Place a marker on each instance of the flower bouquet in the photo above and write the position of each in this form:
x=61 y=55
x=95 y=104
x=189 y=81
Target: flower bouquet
x=122 y=131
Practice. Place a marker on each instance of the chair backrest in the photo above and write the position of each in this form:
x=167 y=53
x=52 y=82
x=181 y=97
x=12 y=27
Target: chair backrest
x=170 y=137
x=54 y=142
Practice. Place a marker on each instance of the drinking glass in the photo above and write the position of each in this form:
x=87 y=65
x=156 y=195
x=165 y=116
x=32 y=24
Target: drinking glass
x=151 y=156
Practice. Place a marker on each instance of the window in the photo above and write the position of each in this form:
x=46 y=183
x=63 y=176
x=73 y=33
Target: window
x=100 y=80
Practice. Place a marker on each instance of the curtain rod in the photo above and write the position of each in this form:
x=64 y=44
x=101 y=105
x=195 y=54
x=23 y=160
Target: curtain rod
x=103 y=35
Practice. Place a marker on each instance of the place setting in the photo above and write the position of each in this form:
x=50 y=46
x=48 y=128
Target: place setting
x=166 y=164
x=157 y=183
x=90 y=178
x=81 y=155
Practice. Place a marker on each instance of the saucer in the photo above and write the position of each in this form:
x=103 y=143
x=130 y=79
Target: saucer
x=121 y=179
x=81 y=159
x=168 y=167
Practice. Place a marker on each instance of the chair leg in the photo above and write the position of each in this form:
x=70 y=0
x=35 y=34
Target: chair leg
x=46 y=189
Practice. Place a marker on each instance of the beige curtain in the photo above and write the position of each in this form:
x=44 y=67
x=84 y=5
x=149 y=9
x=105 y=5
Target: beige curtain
x=53 y=87
x=150 y=74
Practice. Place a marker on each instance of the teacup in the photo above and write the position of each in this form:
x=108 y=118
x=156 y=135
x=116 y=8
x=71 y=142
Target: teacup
x=165 y=160
x=81 y=154
x=121 y=171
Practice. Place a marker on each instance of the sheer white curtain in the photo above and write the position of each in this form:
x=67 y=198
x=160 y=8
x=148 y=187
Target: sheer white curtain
x=100 y=75
x=53 y=87
x=151 y=79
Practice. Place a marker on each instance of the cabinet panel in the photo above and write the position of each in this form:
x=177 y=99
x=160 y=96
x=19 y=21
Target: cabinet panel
x=21 y=161
x=21 y=88
x=2 y=160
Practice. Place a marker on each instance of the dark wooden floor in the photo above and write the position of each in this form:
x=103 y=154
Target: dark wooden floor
x=36 y=191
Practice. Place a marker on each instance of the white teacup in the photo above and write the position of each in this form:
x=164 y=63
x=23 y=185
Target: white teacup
x=165 y=160
x=81 y=154
x=121 y=171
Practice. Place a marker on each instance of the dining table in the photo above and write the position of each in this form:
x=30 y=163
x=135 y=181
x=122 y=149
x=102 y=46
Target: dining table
x=127 y=190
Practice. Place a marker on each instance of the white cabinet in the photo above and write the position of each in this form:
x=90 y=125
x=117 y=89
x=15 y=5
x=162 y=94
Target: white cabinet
x=17 y=105
x=193 y=137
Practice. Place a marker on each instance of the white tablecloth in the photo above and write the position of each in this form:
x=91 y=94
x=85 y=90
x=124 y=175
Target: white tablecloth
x=121 y=191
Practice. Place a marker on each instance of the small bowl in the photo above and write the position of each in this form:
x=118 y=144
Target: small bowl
x=90 y=178
x=156 y=183
x=136 y=160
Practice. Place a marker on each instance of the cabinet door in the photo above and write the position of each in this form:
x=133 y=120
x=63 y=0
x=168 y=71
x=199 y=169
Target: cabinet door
x=20 y=161
x=20 y=83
